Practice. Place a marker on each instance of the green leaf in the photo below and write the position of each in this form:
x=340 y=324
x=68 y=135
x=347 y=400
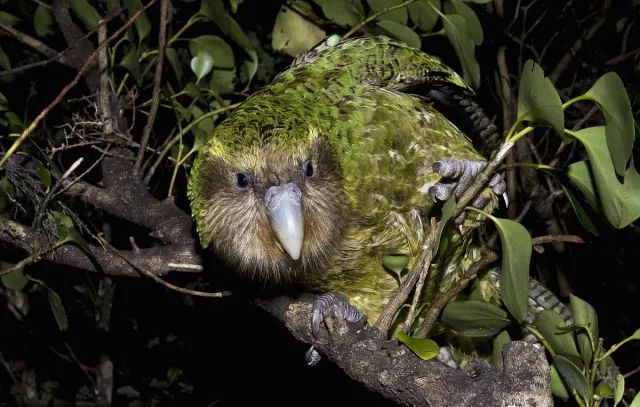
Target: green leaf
x=555 y=332
x=5 y=62
x=4 y=104
x=516 y=254
x=573 y=376
x=538 y=99
x=499 y=342
x=66 y=230
x=619 y=390
x=457 y=32
x=214 y=10
x=343 y=13
x=604 y=390
x=636 y=401
x=558 y=386
x=425 y=348
x=396 y=263
x=424 y=16
x=223 y=81
x=294 y=34
x=581 y=213
x=473 y=22
x=42 y=21
x=401 y=32
x=399 y=15
x=16 y=280
x=131 y=63
x=142 y=24
x=214 y=46
x=43 y=174
x=86 y=13
x=474 y=318
x=584 y=315
x=59 y=313
x=201 y=65
x=174 y=61
x=620 y=202
x=610 y=95
x=8 y=19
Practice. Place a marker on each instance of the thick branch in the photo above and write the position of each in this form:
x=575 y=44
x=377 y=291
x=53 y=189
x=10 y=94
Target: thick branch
x=159 y=260
x=521 y=379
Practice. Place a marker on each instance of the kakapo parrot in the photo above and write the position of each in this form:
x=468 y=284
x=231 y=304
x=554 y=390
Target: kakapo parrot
x=335 y=164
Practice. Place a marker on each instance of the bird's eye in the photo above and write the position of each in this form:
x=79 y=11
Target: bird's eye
x=243 y=180
x=308 y=169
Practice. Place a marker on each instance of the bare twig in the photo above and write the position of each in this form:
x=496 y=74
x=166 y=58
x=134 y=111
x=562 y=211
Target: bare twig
x=157 y=78
x=431 y=315
x=37 y=45
x=85 y=67
x=556 y=238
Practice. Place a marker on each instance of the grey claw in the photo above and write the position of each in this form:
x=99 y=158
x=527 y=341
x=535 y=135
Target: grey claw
x=312 y=356
x=506 y=199
x=498 y=185
x=334 y=303
x=441 y=191
x=462 y=171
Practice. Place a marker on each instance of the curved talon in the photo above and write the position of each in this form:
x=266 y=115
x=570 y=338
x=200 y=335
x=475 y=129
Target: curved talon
x=335 y=303
x=312 y=356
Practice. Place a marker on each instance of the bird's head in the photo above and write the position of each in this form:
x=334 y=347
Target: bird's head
x=272 y=206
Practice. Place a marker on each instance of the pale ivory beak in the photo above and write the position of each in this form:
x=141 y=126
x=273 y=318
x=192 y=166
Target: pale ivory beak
x=285 y=212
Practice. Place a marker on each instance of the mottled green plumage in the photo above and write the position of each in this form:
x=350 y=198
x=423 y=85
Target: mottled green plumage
x=343 y=108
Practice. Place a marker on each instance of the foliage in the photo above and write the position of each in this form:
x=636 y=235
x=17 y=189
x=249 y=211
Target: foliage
x=217 y=54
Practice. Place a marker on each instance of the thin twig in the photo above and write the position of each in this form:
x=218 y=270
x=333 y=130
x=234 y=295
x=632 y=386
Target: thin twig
x=374 y=16
x=85 y=67
x=556 y=238
x=37 y=45
x=443 y=299
x=157 y=78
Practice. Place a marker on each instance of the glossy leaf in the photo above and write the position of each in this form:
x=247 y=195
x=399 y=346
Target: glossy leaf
x=398 y=15
x=4 y=104
x=610 y=95
x=8 y=19
x=174 y=61
x=57 y=308
x=217 y=48
x=555 y=332
x=538 y=99
x=473 y=22
x=142 y=24
x=584 y=315
x=424 y=16
x=424 y=348
x=558 y=386
x=293 y=34
x=43 y=174
x=5 y=63
x=499 y=343
x=619 y=390
x=16 y=280
x=573 y=377
x=223 y=81
x=215 y=10
x=42 y=21
x=620 y=201
x=343 y=13
x=395 y=263
x=131 y=62
x=401 y=32
x=456 y=29
x=474 y=318
x=201 y=65
x=636 y=401
x=86 y=13
x=581 y=213
x=516 y=254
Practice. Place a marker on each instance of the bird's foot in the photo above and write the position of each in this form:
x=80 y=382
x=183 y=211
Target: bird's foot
x=334 y=304
x=458 y=175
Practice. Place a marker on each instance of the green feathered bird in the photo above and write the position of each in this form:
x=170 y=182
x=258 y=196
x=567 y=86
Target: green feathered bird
x=336 y=164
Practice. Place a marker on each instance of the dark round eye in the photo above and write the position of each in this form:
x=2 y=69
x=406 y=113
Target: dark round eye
x=308 y=169
x=243 y=180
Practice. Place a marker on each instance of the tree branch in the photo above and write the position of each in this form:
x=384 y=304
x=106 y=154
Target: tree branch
x=520 y=379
